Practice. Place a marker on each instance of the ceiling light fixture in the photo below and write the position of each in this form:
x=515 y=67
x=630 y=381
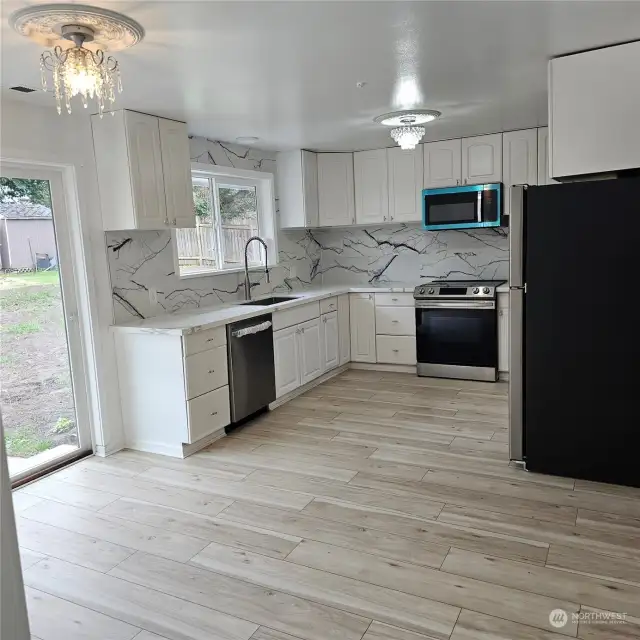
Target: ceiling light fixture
x=77 y=69
x=247 y=139
x=407 y=125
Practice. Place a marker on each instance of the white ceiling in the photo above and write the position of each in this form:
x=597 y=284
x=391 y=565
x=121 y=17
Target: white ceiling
x=287 y=71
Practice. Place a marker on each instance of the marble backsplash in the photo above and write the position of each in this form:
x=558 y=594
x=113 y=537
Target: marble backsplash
x=143 y=260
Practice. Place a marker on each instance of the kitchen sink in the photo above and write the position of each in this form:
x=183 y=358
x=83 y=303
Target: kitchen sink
x=267 y=302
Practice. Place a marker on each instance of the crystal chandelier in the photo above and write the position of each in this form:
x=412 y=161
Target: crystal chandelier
x=79 y=71
x=407 y=125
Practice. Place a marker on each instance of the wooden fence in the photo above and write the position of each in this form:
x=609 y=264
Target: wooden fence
x=198 y=246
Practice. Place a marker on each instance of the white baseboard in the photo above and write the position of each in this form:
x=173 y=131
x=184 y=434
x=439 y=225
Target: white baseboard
x=188 y=449
x=310 y=385
x=393 y=368
x=179 y=450
x=503 y=376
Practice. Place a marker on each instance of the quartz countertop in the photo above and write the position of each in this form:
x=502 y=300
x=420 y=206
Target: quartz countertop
x=210 y=317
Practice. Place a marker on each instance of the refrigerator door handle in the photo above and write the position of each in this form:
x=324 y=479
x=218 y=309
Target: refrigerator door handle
x=516 y=236
x=516 y=374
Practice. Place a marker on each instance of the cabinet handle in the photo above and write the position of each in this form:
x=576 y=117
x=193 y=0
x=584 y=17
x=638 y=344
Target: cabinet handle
x=370 y=296
x=212 y=370
x=166 y=221
x=215 y=413
x=465 y=181
x=175 y=222
x=384 y=218
x=302 y=330
x=395 y=321
x=395 y=350
x=210 y=339
x=353 y=220
x=394 y=299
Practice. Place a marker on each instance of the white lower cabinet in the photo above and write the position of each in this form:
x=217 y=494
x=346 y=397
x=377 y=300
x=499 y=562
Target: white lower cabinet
x=329 y=343
x=309 y=350
x=363 y=327
x=396 y=349
x=344 y=336
x=503 y=333
x=285 y=357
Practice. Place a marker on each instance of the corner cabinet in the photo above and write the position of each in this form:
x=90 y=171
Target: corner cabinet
x=144 y=171
x=363 y=327
x=371 y=186
x=336 y=199
x=297 y=178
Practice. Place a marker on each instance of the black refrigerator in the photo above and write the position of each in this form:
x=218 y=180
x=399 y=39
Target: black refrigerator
x=574 y=376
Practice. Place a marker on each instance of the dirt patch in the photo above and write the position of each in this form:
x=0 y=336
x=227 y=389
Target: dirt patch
x=37 y=400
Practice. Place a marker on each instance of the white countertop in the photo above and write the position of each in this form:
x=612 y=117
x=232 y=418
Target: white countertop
x=186 y=322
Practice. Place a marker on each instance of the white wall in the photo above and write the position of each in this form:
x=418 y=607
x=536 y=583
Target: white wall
x=39 y=135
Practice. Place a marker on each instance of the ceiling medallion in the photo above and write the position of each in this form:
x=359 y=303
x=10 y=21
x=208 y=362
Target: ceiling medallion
x=80 y=35
x=407 y=125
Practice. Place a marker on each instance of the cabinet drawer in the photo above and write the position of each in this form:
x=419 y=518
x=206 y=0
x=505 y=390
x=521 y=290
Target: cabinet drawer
x=206 y=371
x=203 y=340
x=396 y=349
x=396 y=321
x=297 y=315
x=394 y=300
x=208 y=413
x=328 y=305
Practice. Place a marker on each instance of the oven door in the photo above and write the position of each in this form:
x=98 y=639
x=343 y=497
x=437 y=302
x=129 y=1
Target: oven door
x=468 y=207
x=457 y=339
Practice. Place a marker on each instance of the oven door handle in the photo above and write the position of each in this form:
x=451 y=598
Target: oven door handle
x=455 y=304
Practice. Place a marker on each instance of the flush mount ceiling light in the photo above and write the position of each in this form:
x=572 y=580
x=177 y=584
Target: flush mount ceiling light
x=77 y=69
x=407 y=125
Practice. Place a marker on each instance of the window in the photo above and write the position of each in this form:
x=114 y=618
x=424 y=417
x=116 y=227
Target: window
x=229 y=210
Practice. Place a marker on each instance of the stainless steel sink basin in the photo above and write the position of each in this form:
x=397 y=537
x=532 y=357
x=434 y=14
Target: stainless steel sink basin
x=267 y=302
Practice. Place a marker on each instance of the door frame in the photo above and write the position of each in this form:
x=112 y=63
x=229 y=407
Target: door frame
x=75 y=298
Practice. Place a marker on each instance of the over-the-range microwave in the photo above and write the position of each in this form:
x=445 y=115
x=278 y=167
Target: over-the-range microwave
x=465 y=207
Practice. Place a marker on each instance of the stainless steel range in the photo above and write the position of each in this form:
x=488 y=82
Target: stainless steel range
x=457 y=329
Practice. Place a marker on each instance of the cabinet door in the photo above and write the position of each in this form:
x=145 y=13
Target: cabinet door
x=176 y=167
x=406 y=175
x=297 y=178
x=336 y=205
x=371 y=186
x=309 y=353
x=145 y=166
x=519 y=161
x=503 y=339
x=329 y=343
x=482 y=159
x=343 y=329
x=442 y=164
x=285 y=358
x=543 y=157
x=363 y=327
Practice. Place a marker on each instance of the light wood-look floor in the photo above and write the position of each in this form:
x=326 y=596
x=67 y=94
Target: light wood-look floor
x=377 y=506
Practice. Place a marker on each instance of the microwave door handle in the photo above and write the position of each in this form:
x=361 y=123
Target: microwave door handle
x=479 y=207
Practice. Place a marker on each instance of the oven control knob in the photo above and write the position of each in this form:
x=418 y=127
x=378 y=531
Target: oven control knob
x=485 y=290
x=431 y=291
x=476 y=290
x=422 y=291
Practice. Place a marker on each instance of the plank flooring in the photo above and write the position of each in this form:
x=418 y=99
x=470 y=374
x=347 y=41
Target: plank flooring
x=377 y=506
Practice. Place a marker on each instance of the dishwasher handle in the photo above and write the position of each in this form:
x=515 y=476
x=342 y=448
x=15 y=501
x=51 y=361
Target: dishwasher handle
x=247 y=331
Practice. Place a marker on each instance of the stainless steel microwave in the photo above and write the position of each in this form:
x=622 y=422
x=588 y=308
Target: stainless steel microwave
x=467 y=207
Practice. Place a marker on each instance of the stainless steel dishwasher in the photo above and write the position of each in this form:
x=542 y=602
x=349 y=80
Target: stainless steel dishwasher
x=252 y=380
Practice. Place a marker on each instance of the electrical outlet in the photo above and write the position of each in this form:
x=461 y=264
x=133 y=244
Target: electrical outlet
x=153 y=296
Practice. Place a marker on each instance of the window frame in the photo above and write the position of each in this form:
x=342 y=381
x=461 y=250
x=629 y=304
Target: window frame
x=266 y=213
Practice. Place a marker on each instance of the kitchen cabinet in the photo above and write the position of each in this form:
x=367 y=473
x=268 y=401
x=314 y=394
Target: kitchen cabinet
x=503 y=332
x=144 y=171
x=519 y=161
x=406 y=175
x=544 y=177
x=371 y=186
x=285 y=358
x=482 y=159
x=344 y=332
x=309 y=350
x=395 y=328
x=336 y=198
x=329 y=343
x=297 y=178
x=442 y=164
x=363 y=327
x=594 y=101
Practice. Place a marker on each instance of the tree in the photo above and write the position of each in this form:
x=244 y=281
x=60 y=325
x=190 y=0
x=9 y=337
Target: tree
x=237 y=202
x=201 y=201
x=36 y=191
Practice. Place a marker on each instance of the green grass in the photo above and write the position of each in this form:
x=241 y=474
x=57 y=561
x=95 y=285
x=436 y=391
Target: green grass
x=33 y=278
x=24 y=442
x=7 y=360
x=63 y=425
x=21 y=328
x=17 y=299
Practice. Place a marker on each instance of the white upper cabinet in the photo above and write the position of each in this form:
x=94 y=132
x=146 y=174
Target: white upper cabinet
x=371 y=186
x=442 y=164
x=405 y=184
x=297 y=178
x=144 y=171
x=594 y=102
x=482 y=159
x=519 y=160
x=176 y=167
x=543 y=157
x=329 y=341
x=336 y=205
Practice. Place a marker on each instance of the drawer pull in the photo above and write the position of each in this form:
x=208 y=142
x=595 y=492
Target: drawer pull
x=395 y=321
x=395 y=350
x=212 y=371
x=394 y=299
x=215 y=413
x=210 y=339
